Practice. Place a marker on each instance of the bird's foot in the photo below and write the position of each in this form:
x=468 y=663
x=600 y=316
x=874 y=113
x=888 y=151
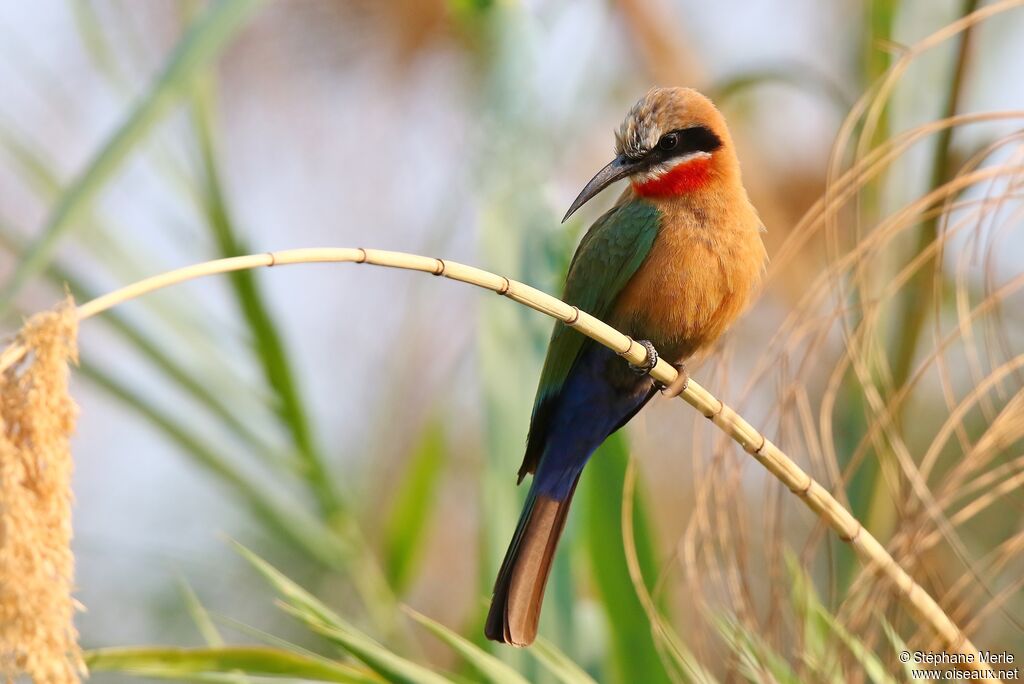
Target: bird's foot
x=649 y=363
x=677 y=386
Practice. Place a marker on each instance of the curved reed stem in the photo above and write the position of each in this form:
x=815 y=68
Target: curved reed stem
x=813 y=494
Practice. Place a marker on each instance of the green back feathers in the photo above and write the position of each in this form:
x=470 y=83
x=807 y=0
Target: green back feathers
x=609 y=255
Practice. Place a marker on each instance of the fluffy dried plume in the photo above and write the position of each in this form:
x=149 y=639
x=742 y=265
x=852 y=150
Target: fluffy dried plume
x=37 y=633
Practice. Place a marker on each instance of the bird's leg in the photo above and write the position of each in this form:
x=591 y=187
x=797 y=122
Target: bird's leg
x=650 y=362
x=677 y=386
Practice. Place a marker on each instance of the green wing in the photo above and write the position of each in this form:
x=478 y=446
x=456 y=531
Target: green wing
x=608 y=256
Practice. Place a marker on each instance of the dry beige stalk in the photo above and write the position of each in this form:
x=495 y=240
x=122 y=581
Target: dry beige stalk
x=816 y=497
x=37 y=633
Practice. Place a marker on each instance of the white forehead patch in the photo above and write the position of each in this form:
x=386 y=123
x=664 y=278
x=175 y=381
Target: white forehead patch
x=639 y=131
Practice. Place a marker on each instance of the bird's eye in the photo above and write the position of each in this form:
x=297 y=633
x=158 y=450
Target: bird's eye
x=668 y=142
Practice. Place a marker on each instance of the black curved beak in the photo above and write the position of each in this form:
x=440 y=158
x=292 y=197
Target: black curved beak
x=620 y=167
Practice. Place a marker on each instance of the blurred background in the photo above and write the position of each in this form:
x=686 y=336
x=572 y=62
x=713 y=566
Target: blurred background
x=361 y=428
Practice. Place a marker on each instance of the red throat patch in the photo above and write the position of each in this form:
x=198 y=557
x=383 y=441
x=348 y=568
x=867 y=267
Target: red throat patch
x=685 y=177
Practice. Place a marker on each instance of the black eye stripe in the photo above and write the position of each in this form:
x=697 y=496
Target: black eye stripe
x=688 y=141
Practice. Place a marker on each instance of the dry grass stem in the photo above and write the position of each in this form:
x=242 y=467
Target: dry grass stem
x=876 y=558
x=936 y=441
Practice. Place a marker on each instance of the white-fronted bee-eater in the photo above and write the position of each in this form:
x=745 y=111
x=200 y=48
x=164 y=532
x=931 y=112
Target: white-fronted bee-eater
x=672 y=264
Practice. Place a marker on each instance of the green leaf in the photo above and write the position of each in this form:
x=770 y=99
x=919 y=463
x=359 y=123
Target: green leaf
x=201 y=44
x=898 y=644
x=292 y=524
x=264 y=334
x=682 y=657
x=199 y=615
x=271 y=353
x=259 y=661
x=801 y=76
x=634 y=653
x=90 y=30
x=758 y=661
x=561 y=666
x=324 y=621
x=264 y=638
x=32 y=164
x=881 y=20
x=817 y=650
x=819 y=623
x=670 y=646
x=493 y=669
x=410 y=513
x=868 y=660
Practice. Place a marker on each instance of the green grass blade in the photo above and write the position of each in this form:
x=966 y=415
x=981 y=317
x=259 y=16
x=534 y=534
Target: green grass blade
x=689 y=666
x=33 y=165
x=90 y=30
x=366 y=574
x=915 y=304
x=292 y=593
x=124 y=260
x=817 y=651
x=259 y=661
x=264 y=334
x=200 y=678
x=110 y=59
x=801 y=76
x=819 y=623
x=411 y=511
x=177 y=373
x=203 y=41
x=635 y=655
x=174 y=371
x=870 y=663
x=29 y=162
x=561 y=666
x=197 y=611
x=387 y=663
x=487 y=665
x=881 y=25
x=264 y=638
x=305 y=532
x=758 y=661
x=673 y=651
x=898 y=645
x=321 y=619
x=211 y=636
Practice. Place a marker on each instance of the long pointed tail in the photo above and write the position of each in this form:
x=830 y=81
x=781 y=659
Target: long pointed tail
x=519 y=589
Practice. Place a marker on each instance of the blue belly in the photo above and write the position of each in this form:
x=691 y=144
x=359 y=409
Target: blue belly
x=600 y=395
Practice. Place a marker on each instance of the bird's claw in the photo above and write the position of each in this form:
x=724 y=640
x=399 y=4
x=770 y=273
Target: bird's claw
x=677 y=386
x=649 y=363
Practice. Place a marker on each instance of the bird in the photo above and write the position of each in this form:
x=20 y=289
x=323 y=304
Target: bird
x=672 y=264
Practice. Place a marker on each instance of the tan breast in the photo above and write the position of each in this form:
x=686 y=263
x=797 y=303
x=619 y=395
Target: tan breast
x=697 y=280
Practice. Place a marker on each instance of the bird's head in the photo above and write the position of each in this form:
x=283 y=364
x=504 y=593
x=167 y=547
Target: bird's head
x=672 y=142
